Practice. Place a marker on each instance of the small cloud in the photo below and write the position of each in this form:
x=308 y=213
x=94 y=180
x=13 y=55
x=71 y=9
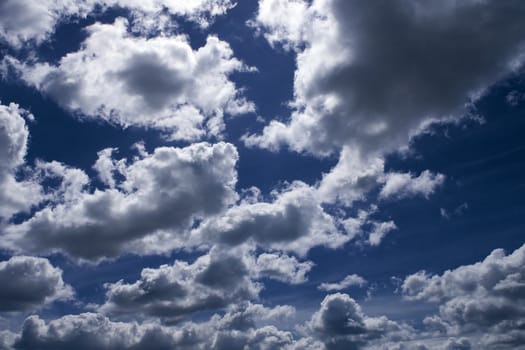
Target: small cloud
x=348 y=281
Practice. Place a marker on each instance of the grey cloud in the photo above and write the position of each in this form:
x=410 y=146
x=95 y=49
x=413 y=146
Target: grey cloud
x=158 y=82
x=348 y=281
x=25 y=21
x=95 y=331
x=212 y=282
x=372 y=74
x=29 y=282
x=341 y=324
x=483 y=298
x=457 y=344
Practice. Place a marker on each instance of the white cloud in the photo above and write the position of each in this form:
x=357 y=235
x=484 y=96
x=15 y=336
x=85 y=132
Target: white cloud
x=160 y=82
x=283 y=268
x=379 y=231
x=29 y=282
x=351 y=178
x=26 y=21
x=243 y=327
x=484 y=301
x=286 y=19
x=372 y=77
x=213 y=281
x=348 y=281
x=341 y=324
x=15 y=196
x=149 y=211
x=22 y=21
x=295 y=222
x=402 y=185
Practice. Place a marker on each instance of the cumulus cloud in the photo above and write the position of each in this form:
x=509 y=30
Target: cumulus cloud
x=483 y=298
x=341 y=324
x=213 y=281
x=15 y=196
x=237 y=329
x=158 y=82
x=26 y=21
x=22 y=21
x=157 y=201
x=282 y=267
x=348 y=281
x=295 y=221
x=29 y=282
x=373 y=76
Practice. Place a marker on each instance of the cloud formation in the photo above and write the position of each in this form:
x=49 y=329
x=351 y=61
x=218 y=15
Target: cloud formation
x=158 y=82
x=29 y=282
x=295 y=221
x=485 y=299
x=235 y=330
x=212 y=282
x=26 y=22
x=341 y=324
x=373 y=75
x=150 y=211
x=16 y=195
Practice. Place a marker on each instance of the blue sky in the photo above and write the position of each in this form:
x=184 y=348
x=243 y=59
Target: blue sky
x=271 y=174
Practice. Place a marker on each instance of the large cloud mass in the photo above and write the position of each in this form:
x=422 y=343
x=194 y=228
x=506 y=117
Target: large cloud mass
x=371 y=74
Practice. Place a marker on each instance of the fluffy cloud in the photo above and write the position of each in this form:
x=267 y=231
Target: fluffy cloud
x=29 y=282
x=15 y=196
x=235 y=330
x=371 y=76
x=348 y=281
x=341 y=324
x=159 y=198
x=484 y=298
x=23 y=21
x=402 y=185
x=295 y=221
x=150 y=11
x=160 y=82
x=213 y=281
